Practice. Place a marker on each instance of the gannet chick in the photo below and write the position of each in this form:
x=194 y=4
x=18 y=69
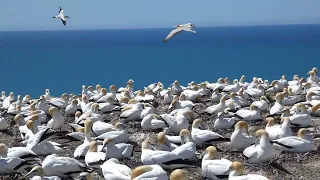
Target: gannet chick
x=240 y=138
x=304 y=142
x=263 y=104
x=151 y=122
x=277 y=131
x=119 y=136
x=215 y=109
x=237 y=173
x=94 y=158
x=149 y=172
x=163 y=158
x=113 y=170
x=252 y=114
x=176 y=88
x=178 y=122
x=204 y=136
x=179 y=174
x=41 y=176
x=277 y=107
x=215 y=168
x=187 y=149
x=301 y=117
x=119 y=150
x=262 y=153
x=165 y=144
x=223 y=122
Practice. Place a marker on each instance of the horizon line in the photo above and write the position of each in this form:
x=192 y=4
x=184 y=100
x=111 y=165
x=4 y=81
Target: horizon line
x=137 y=28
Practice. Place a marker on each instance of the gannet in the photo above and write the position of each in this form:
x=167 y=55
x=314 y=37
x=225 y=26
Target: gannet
x=277 y=131
x=237 y=173
x=252 y=114
x=284 y=81
x=60 y=103
x=82 y=149
x=240 y=138
x=178 y=122
x=20 y=152
x=187 y=149
x=263 y=104
x=119 y=150
x=216 y=95
x=100 y=94
x=109 y=105
x=316 y=110
x=261 y=153
x=223 y=122
x=113 y=170
x=64 y=167
x=147 y=109
x=255 y=92
x=41 y=176
x=94 y=158
x=132 y=113
x=178 y=104
x=179 y=174
x=215 y=168
x=232 y=88
x=215 y=109
x=301 y=117
x=151 y=122
x=304 y=142
x=164 y=142
x=176 y=88
x=200 y=136
x=119 y=136
x=163 y=158
x=12 y=164
x=57 y=119
x=277 y=107
x=71 y=109
x=62 y=16
x=179 y=28
x=149 y=172
x=276 y=86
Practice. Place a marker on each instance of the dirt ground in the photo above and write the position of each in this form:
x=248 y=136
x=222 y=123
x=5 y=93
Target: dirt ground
x=302 y=166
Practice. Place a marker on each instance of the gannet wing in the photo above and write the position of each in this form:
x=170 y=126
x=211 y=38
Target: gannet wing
x=172 y=33
x=60 y=10
x=63 y=21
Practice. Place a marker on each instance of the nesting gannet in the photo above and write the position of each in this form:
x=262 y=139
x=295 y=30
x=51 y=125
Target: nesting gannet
x=64 y=167
x=176 y=88
x=262 y=153
x=301 y=117
x=62 y=16
x=232 y=88
x=262 y=104
x=93 y=112
x=276 y=86
x=187 y=149
x=82 y=149
x=3 y=124
x=288 y=99
x=164 y=142
x=57 y=119
x=60 y=103
x=277 y=131
x=316 y=110
x=119 y=150
x=71 y=109
x=216 y=95
x=132 y=113
x=109 y=105
x=41 y=173
x=42 y=105
x=179 y=28
x=215 y=109
x=179 y=174
x=119 y=136
x=149 y=172
x=178 y=104
x=20 y=152
x=113 y=170
x=240 y=138
x=252 y=114
x=96 y=97
x=304 y=142
x=147 y=109
x=163 y=158
x=255 y=92
x=178 y=122
x=277 y=107
x=223 y=122
x=151 y=122
x=12 y=164
x=8 y=100
x=215 y=168
x=237 y=173
x=94 y=158
x=201 y=136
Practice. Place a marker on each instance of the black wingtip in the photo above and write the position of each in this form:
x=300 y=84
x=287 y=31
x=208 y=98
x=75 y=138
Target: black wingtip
x=280 y=144
x=279 y=167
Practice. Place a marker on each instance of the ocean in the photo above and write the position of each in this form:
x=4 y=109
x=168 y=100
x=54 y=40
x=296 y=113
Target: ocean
x=63 y=61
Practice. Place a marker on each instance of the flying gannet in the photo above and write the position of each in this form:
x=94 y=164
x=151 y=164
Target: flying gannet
x=62 y=16
x=178 y=29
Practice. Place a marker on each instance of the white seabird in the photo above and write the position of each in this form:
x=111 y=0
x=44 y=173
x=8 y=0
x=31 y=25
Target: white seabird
x=179 y=28
x=62 y=16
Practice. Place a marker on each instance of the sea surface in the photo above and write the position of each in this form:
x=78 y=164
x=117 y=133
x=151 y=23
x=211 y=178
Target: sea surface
x=63 y=61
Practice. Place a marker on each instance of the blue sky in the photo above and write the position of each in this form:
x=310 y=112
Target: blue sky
x=103 y=14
